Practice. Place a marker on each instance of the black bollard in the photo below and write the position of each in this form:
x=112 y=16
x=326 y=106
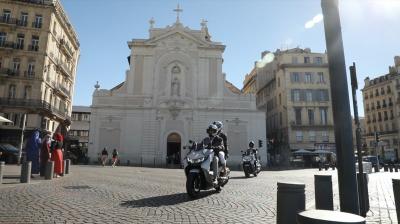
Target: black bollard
x=319 y=166
x=63 y=168
x=396 y=192
x=333 y=167
x=376 y=168
x=396 y=168
x=67 y=165
x=364 y=202
x=49 y=172
x=385 y=168
x=291 y=200
x=323 y=192
x=326 y=167
x=128 y=163
x=391 y=168
x=328 y=217
x=2 y=166
x=26 y=172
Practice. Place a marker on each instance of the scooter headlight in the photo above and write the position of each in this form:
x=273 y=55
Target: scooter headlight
x=246 y=158
x=198 y=160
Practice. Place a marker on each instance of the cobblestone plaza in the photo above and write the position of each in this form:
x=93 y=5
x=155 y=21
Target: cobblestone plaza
x=92 y=194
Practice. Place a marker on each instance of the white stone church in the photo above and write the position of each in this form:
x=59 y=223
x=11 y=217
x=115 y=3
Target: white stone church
x=173 y=90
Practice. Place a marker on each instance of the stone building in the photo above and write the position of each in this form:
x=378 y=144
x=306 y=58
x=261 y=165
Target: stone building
x=39 y=52
x=293 y=89
x=249 y=83
x=77 y=140
x=381 y=98
x=172 y=91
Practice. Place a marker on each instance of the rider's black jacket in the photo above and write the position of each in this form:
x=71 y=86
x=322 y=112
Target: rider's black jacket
x=225 y=141
x=215 y=143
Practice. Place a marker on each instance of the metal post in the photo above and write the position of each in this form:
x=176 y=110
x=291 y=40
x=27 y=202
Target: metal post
x=22 y=139
x=361 y=180
x=67 y=165
x=323 y=192
x=26 y=172
x=396 y=192
x=364 y=199
x=291 y=200
x=2 y=165
x=341 y=108
x=49 y=173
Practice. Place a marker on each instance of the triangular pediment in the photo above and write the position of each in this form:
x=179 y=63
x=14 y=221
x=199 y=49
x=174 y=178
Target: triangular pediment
x=176 y=33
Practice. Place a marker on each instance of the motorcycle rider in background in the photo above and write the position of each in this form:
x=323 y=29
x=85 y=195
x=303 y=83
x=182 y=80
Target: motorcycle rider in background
x=251 y=150
x=214 y=142
x=223 y=155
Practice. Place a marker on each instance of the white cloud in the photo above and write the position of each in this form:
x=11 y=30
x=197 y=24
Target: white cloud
x=311 y=23
x=265 y=60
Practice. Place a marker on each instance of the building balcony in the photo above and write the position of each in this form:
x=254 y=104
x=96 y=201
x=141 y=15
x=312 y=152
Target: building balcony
x=39 y=2
x=62 y=90
x=35 y=105
x=7 y=20
x=6 y=44
x=378 y=107
x=33 y=47
x=8 y=73
x=37 y=25
x=315 y=125
x=22 y=23
x=66 y=48
x=384 y=105
x=390 y=104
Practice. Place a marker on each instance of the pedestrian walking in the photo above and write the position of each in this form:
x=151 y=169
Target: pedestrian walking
x=32 y=152
x=114 y=157
x=57 y=155
x=45 y=153
x=104 y=156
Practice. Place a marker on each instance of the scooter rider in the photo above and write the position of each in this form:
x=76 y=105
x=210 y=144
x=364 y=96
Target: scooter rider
x=223 y=155
x=252 y=150
x=213 y=141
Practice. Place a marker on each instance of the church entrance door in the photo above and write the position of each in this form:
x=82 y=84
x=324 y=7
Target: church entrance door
x=174 y=150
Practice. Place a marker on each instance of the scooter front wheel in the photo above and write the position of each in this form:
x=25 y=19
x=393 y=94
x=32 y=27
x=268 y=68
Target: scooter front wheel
x=193 y=185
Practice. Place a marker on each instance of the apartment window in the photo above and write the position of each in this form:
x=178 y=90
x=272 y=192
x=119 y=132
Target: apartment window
x=295 y=77
x=308 y=77
x=12 y=90
x=318 y=60
x=325 y=136
x=280 y=118
x=311 y=134
x=20 y=41
x=296 y=95
x=383 y=103
x=324 y=115
x=391 y=115
x=388 y=89
x=382 y=91
x=23 y=21
x=35 y=44
x=6 y=15
x=378 y=104
x=321 y=77
x=31 y=69
x=38 y=21
x=279 y=82
x=367 y=107
x=3 y=38
x=299 y=136
x=294 y=60
x=15 y=66
x=297 y=112
x=84 y=133
x=379 y=116
x=311 y=116
x=385 y=115
x=309 y=95
x=280 y=99
x=306 y=60
x=394 y=128
x=376 y=92
x=27 y=92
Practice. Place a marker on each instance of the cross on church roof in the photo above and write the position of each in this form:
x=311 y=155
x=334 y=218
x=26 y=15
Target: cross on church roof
x=178 y=10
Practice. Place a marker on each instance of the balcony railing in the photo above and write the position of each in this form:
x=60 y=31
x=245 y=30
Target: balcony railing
x=36 y=25
x=62 y=89
x=33 y=48
x=34 y=104
x=7 y=44
x=29 y=74
x=9 y=72
x=39 y=2
x=8 y=20
x=66 y=48
x=18 y=46
x=22 y=23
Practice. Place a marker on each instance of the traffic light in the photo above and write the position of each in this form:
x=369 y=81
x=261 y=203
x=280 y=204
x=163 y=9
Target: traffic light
x=260 y=143
x=377 y=137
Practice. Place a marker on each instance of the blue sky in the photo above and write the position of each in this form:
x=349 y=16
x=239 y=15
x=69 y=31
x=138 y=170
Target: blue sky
x=247 y=27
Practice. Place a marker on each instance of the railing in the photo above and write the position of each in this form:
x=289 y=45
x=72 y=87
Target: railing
x=384 y=105
x=36 y=25
x=9 y=72
x=33 y=47
x=22 y=23
x=40 y=2
x=6 y=44
x=8 y=20
x=37 y=104
x=66 y=47
x=18 y=46
x=29 y=74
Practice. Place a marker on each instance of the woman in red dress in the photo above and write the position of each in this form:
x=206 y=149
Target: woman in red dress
x=57 y=155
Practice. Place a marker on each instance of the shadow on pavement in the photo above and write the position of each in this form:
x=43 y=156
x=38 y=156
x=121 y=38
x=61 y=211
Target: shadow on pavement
x=164 y=200
x=241 y=177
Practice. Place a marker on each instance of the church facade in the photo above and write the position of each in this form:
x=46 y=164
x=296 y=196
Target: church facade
x=172 y=91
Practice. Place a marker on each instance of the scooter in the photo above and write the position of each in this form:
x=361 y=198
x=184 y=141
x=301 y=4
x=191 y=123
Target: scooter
x=197 y=166
x=251 y=165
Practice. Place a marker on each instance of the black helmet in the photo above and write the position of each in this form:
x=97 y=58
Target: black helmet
x=251 y=144
x=212 y=130
x=219 y=125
